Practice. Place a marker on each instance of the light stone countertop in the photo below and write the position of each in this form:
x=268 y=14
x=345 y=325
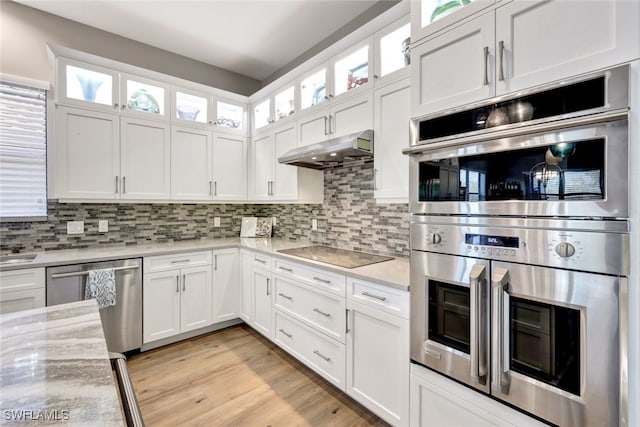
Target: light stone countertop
x=393 y=273
x=55 y=369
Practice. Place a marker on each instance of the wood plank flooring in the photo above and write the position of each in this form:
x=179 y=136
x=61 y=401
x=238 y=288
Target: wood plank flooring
x=236 y=377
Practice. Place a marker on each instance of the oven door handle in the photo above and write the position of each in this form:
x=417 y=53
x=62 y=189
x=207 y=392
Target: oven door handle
x=479 y=322
x=501 y=330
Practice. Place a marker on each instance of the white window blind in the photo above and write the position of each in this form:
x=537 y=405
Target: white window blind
x=23 y=151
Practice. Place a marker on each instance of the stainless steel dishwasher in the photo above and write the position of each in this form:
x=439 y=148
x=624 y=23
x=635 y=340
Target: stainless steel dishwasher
x=122 y=323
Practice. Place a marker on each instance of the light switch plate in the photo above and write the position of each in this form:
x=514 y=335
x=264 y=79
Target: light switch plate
x=314 y=224
x=75 y=227
x=103 y=226
x=216 y=221
x=274 y=222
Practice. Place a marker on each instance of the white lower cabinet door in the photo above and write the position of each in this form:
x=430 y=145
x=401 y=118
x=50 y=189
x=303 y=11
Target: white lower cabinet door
x=226 y=285
x=322 y=354
x=161 y=305
x=22 y=290
x=439 y=402
x=191 y=154
x=378 y=362
x=262 y=301
x=246 y=286
x=195 y=304
x=145 y=164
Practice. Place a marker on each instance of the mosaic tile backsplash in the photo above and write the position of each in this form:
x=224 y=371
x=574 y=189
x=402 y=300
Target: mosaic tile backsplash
x=348 y=219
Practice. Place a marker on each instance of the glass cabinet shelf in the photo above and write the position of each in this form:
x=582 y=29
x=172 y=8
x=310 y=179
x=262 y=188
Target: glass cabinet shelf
x=284 y=103
x=229 y=115
x=313 y=89
x=191 y=107
x=352 y=71
x=88 y=85
x=145 y=98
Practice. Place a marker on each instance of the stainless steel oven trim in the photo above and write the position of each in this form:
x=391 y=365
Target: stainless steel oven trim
x=616 y=98
x=615 y=204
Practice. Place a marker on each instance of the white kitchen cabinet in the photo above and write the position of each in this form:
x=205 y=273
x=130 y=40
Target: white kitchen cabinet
x=314 y=127
x=378 y=336
x=262 y=291
x=226 y=284
x=86 y=154
x=392 y=52
x=391 y=134
x=246 y=286
x=229 y=167
x=22 y=290
x=454 y=68
x=177 y=294
x=145 y=164
x=436 y=401
x=87 y=85
x=543 y=41
x=502 y=50
x=272 y=181
x=230 y=116
x=191 y=163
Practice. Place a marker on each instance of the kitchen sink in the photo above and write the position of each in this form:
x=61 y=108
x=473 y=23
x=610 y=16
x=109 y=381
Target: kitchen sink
x=16 y=259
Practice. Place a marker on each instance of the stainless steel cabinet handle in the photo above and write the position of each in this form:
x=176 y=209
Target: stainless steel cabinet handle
x=285 y=333
x=478 y=324
x=117 y=179
x=285 y=269
x=260 y=260
x=375 y=179
x=331 y=125
x=285 y=296
x=325 y=122
x=184 y=282
x=215 y=188
x=486 y=65
x=317 y=353
x=346 y=322
x=215 y=262
x=501 y=55
x=124 y=184
x=210 y=188
x=268 y=287
x=319 y=279
x=500 y=368
x=317 y=310
x=367 y=294
x=177 y=283
x=179 y=261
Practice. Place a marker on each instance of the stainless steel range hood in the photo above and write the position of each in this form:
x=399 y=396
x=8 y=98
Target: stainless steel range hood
x=324 y=154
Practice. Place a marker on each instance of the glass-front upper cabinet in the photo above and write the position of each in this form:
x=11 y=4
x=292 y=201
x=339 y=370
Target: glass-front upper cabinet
x=285 y=103
x=262 y=114
x=190 y=107
x=313 y=89
x=352 y=70
x=230 y=117
x=143 y=97
x=83 y=83
x=430 y=16
x=392 y=49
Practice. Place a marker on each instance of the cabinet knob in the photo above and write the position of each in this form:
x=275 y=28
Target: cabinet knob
x=375 y=76
x=115 y=105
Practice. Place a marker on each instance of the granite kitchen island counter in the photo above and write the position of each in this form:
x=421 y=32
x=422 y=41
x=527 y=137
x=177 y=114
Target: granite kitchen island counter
x=55 y=368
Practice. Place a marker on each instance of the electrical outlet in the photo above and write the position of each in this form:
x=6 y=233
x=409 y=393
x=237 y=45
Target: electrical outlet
x=274 y=222
x=314 y=224
x=103 y=226
x=216 y=221
x=75 y=227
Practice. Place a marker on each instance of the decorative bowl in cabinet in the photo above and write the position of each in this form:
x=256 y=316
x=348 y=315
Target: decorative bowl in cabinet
x=187 y=112
x=142 y=100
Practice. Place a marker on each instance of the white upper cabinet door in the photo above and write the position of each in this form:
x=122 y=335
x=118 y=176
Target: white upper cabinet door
x=352 y=115
x=284 y=103
x=145 y=159
x=455 y=68
x=191 y=156
x=87 y=154
x=229 y=167
x=392 y=56
x=230 y=117
x=314 y=127
x=190 y=108
x=543 y=41
x=195 y=310
x=262 y=167
x=87 y=85
x=391 y=135
x=353 y=70
x=313 y=90
x=431 y=16
x=262 y=115
x=161 y=305
x=144 y=98
x=226 y=285
x=285 y=180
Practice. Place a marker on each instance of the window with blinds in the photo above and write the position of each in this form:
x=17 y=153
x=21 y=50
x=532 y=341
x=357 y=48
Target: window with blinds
x=23 y=152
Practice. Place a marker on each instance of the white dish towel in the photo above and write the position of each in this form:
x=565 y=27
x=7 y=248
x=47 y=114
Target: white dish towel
x=101 y=286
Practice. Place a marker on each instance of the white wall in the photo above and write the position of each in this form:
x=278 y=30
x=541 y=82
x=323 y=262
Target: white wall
x=24 y=32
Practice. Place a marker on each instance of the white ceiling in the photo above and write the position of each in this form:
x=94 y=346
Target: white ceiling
x=254 y=38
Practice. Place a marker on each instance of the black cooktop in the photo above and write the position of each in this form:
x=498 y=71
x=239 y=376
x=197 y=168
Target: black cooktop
x=334 y=256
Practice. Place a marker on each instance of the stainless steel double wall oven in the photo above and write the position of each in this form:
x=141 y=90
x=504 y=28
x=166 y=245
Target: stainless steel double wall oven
x=520 y=248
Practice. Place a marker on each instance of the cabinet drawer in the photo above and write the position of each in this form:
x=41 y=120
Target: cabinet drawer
x=382 y=297
x=323 y=311
x=21 y=280
x=323 y=355
x=261 y=261
x=316 y=277
x=173 y=261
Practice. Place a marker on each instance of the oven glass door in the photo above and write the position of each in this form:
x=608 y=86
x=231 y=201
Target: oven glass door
x=450 y=315
x=555 y=336
x=575 y=172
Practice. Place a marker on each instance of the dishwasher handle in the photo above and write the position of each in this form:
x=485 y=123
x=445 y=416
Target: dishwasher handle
x=130 y=405
x=86 y=272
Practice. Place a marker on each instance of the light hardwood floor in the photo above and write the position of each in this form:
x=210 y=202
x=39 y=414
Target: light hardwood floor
x=236 y=377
